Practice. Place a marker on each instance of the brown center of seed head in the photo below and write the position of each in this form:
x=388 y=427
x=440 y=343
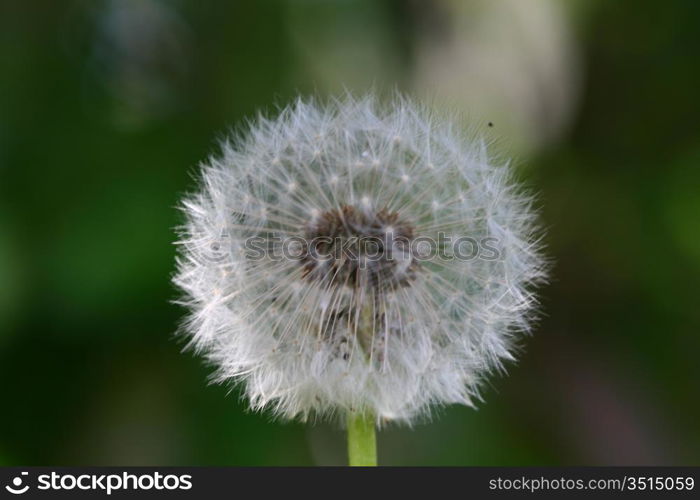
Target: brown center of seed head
x=359 y=248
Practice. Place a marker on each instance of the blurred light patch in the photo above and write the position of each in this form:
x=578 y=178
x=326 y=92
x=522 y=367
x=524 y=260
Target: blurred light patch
x=333 y=56
x=513 y=63
x=141 y=54
x=682 y=206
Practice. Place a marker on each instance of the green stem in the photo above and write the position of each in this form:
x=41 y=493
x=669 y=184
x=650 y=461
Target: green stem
x=362 y=443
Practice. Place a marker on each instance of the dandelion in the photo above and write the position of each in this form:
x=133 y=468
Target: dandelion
x=323 y=263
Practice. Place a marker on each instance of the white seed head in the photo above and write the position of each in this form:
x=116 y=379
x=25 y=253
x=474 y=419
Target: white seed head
x=319 y=330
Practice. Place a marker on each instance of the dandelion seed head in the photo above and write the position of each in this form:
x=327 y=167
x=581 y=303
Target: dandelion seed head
x=351 y=317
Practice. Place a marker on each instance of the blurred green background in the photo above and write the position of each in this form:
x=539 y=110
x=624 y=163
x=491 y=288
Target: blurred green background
x=107 y=107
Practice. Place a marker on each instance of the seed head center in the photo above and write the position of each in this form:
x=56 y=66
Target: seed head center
x=359 y=248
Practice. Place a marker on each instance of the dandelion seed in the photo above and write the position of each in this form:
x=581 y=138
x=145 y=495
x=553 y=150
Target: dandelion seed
x=341 y=329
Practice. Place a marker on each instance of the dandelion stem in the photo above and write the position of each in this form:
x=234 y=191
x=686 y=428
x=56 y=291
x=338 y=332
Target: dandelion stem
x=362 y=443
